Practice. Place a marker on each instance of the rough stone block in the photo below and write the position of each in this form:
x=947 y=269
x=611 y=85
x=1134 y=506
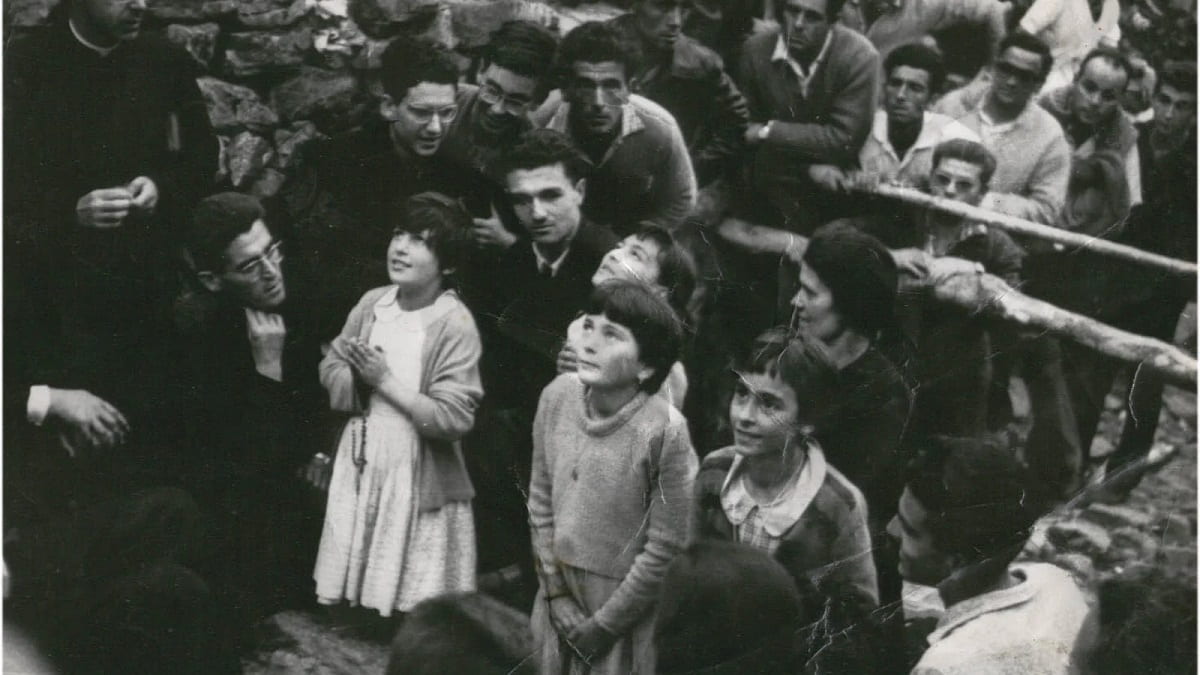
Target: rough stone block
x=288 y=143
x=256 y=53
x=232 y=107
x=248 y=155
x=1175 y=529
x=268 y=14
x=315 y=93
x=1116 y=515
x=191 y=11
x=1079 y=536
x=1078 y=564
x=200 y=41
x=268 y=183
x=1134 y=544
x=27 y=13
x=475 y=20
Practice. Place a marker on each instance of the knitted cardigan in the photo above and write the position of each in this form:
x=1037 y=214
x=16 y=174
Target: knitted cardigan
x=450 y=391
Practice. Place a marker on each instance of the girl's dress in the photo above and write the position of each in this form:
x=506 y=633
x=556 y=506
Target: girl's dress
x=378 y=549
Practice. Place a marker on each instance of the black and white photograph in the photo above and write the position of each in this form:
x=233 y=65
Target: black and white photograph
x=631 y=337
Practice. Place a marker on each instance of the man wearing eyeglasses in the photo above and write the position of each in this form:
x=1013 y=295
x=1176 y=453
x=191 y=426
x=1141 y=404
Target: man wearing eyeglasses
x=340 y=201
x=1033 y=159
x=254 y=403
x=642 y=170
x=512 y=80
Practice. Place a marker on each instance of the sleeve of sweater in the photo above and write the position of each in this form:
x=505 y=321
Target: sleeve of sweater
x=727 y=122
x=855 y=566
x=336 y=374
x=838 y=139
x=541 y=499
x=675 y=186
x=445 y=410
x=670 y=508
x=1040 y=15
x=1046 y=190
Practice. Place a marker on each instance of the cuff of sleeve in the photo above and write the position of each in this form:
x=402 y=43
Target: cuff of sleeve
x=605 y=621
x=38 y=404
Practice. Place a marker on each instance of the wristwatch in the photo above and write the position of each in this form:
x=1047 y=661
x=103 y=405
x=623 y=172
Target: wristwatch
x=765 y=130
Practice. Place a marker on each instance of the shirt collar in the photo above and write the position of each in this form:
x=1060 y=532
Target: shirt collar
x=102 y=51
x=935 y=128
x=555 y=264
x=631 y=119
x=970 y=609
x=782 y=54
x=780 y=516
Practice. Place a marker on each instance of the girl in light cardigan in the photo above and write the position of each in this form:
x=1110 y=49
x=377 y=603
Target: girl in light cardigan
x=610 y=489
x=398 y=524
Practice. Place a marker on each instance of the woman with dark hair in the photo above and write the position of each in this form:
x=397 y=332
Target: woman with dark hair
x=398 y=524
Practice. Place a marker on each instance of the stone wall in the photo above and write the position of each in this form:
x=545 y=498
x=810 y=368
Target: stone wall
x=277 y=73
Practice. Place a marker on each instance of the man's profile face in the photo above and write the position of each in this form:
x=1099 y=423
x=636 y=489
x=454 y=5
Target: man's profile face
x=419 y=120
x=547 y=202
x=506 y=97
x=597 y=93
x=659 y=22
x=958 y=180
x=253 y=273
x=1096 y=92
x=116 y=19
x=1174 y=110
x=920 y=560
x=805 y=26
x=1016 y=77
x=906 y=93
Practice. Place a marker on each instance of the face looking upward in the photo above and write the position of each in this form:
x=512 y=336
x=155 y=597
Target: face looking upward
x=253 y=272
x=547 y=203
x=763 y=413
x=659 y=23
x=813 y=307
x=1174 y=111
x=597 y=93
x=419 y=120
x=805 y=27
x=507 y=97
x=1016 y=77
x=1096 y=92
x=412 y=264
x=634 y=259
x=609 y=357
x=905 y=94
x=920 y=560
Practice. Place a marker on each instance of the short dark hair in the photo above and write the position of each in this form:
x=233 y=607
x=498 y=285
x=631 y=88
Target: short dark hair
x=919 y=56
x=861 y=275
x=538 y=148
x=407 y=62
x=967 y=151
x=833 y=10
x=597 y=42
x=1147 y=624
x=1022 y=40
x=216 y=221
x=458 y=633
x=801 y=362
x=977 y=496
x=445 y=223
x=523 y=47
x=676 y=268
x=653 y=323
x=1180 y=75
x=1113 y=56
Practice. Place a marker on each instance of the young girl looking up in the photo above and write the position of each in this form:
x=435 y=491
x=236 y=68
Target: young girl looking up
x=772 y=489
x=652 y=256
x=398 y=525
x=609 y=495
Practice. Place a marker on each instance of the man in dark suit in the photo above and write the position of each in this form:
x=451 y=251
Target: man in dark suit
x=535 y=288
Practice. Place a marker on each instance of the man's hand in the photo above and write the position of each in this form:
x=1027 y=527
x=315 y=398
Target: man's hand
x=862 y=181
x=568 y=360
x=267 y=334
x=367 y=361
x=941 y=269
x=144 y=194
x=827 y=176
x=754 y=133
x=491 y=232
x=591 y=640
x=566 y=615
x=104 y=209
x=88 y=421
x=796 y=247
x=318 y=471
x=913 y=262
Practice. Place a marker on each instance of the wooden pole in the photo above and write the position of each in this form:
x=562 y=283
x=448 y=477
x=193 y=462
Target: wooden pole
x=991 y=296
x=1022 y=227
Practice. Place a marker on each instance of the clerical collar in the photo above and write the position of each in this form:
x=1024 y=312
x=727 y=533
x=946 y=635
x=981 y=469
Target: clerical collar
x=102 y=51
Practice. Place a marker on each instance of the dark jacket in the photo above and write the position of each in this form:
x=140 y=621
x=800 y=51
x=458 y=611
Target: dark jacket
x=707 y=106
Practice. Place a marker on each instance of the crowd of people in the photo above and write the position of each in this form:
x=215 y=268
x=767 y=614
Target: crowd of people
x=612 y=328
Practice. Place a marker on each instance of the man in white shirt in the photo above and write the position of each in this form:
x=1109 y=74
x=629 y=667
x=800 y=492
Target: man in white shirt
x=963 y=518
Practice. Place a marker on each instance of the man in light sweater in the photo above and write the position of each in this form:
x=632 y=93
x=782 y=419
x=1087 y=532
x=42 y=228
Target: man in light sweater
x=962 y=520
x=1033 y=159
